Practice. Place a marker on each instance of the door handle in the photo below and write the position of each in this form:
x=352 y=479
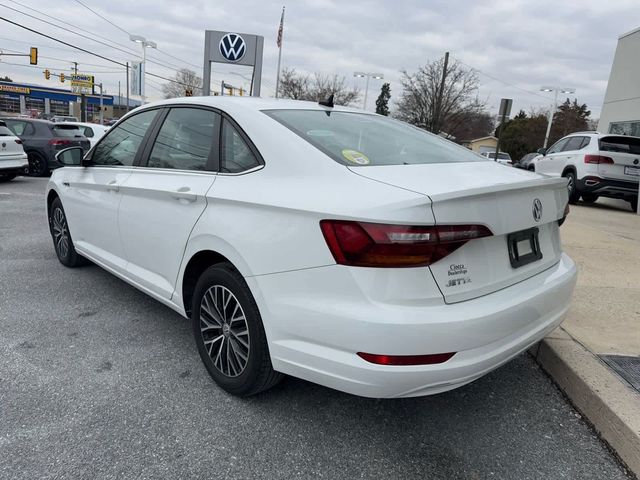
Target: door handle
x=113 y=186
x=184 y=193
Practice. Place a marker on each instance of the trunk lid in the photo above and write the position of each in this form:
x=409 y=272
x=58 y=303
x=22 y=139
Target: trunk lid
x=625 y=152
x=485 y=193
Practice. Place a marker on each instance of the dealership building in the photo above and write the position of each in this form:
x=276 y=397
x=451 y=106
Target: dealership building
x=621 y=108
x=35 y=100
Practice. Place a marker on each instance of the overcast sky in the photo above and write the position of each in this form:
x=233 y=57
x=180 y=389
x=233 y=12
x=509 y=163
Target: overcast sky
x=517 y=46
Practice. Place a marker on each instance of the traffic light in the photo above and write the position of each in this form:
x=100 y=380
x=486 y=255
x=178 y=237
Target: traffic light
x=33 y=56
x=188 y=92
x=47 y=74
x=62 y=77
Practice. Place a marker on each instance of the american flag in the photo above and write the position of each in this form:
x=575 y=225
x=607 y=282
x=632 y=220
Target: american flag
x=279 y=41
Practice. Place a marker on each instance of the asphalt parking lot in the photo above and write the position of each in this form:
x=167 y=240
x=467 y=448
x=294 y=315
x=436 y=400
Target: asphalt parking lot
x=99 y=381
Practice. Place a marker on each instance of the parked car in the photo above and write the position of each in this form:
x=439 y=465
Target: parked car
x=503 y=158
x=42 y=139
x=111 y=123
x=527 y=161
x=13 y=160
x=91 y=131
x=327 y=243
x=63 y=118
x=595 y=165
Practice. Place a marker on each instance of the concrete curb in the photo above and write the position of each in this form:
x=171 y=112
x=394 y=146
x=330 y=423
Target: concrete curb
x=608 y=402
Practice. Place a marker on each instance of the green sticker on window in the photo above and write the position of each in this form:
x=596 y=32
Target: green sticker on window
x=356 y=157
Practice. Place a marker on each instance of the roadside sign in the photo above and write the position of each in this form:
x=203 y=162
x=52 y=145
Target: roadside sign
x=505 y=107
x=137 y=78
x=82 y=83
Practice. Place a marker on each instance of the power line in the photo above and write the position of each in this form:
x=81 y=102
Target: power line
x=53 y=68
x=104 y=18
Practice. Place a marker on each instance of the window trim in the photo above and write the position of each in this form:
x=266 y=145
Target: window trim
x=213 y=161
x=89 y=156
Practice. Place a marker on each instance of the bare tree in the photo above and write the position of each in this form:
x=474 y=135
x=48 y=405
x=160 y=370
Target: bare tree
x=316 y=87
x=184 y=79
x=428 y=102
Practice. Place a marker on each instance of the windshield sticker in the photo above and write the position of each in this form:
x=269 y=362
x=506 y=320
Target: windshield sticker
x=356 y=157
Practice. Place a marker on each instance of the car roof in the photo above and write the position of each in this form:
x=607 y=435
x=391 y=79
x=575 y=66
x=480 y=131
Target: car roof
x=237 y=103
x=34 y=120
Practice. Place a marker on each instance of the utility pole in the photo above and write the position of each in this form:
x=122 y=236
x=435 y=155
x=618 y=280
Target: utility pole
x=127 y=86
x=438 y=113
x=101 y=109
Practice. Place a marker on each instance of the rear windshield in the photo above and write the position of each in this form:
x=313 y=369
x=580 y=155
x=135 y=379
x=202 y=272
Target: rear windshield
x=69 y=131
x=620 y=144
x=502 y=156
x=5 y=132
x=358 y=139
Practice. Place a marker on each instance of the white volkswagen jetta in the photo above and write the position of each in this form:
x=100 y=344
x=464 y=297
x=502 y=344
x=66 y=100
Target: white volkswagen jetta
x=322 y=242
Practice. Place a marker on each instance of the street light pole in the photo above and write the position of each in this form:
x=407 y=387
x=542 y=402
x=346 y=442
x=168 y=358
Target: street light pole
x=555 y=107
x=145 y=44
x=378 y=76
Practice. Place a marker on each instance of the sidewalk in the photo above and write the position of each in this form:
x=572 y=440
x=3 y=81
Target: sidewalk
x=604 y=319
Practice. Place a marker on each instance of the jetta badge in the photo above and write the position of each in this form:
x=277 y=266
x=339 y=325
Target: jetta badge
x=537 y=209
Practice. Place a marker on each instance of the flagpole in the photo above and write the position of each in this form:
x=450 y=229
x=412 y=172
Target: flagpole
x=280 y=37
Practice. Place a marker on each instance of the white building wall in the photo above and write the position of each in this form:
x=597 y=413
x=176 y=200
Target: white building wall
x=622 y=100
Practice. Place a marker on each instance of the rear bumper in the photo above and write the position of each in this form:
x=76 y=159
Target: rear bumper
x=14 y=164
x=607 y=187
x=315 y=328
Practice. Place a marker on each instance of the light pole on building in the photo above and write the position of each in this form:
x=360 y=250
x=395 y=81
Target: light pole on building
x=145 y=44
x=378 y=76
x=570 y=91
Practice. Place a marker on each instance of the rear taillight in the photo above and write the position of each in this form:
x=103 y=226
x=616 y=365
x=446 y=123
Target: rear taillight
x=430 y=359
x=18 y=141
x=58 y=141
x=362 y=244
x=598 y=159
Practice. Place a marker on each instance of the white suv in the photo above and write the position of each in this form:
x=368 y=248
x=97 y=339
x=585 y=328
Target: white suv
x=595 y=165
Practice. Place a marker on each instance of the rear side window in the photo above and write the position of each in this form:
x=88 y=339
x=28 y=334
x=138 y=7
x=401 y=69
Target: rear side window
x=620 y=144
x=357 y=139
x=120 y=145
x=67 y=131
x=575 y=143
x=236 y=155
x=186 y=139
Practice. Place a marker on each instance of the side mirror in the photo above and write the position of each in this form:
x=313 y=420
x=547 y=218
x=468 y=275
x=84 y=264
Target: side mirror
x=542 y=151
x=70 y=157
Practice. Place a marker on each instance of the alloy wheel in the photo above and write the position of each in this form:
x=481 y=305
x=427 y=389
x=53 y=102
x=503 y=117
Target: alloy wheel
x=224 y=330
x=570 y=183
x=60 y=233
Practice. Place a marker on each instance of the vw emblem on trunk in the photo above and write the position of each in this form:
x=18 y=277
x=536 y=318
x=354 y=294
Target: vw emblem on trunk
x=232 y=47
x=537 y=209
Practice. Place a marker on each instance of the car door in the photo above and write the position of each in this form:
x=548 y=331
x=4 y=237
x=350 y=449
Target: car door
x=571 y=151
x=163 y=198
x=550 y=163
x=91 y=195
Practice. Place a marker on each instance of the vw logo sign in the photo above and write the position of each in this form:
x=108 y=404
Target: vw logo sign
x=232 y=47
x=537 y=209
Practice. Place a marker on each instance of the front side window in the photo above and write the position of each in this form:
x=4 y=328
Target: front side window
x=120 y=145
x=558 y=146
x=236 y=155
x=357 y=139
x=186 y=139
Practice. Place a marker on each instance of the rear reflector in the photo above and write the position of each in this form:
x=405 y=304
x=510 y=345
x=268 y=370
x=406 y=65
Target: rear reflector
x=431 y=359
x=363 y=244
x=598 y=159
x=57 y=141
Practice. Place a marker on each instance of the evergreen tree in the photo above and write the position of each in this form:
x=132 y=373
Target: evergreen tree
x=382 y=103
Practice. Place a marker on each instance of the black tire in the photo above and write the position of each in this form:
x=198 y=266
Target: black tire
x=589 y=197
x=37 y=165
x=62 y=242
x=574 y=194
x=7 y=178
x=246 y=375
x=634 y=204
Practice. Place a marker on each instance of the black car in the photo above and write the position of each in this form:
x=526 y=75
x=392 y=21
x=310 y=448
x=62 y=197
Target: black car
x=525 y=161
x=42 y=139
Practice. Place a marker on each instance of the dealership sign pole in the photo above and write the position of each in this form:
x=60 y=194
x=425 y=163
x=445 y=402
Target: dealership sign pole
x=232 y=48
